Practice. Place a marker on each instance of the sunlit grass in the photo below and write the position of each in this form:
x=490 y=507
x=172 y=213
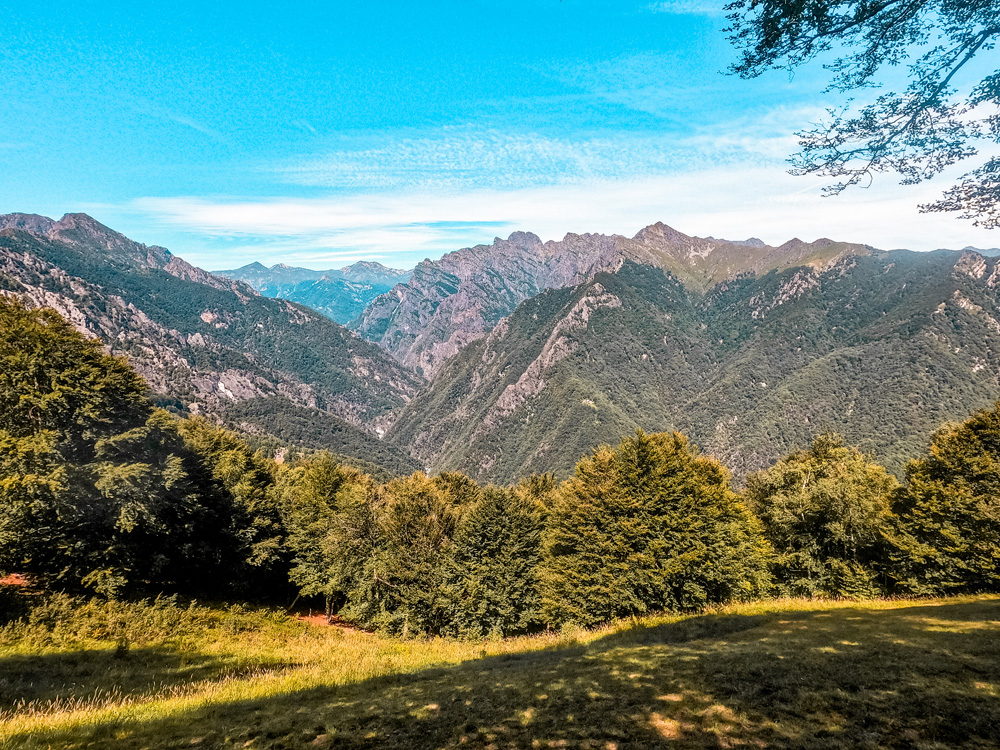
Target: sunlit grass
x=789 y=673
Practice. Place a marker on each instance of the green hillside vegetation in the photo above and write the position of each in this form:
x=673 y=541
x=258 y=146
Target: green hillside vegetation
x=101 y=492
x=315 y=430
x=882 y=348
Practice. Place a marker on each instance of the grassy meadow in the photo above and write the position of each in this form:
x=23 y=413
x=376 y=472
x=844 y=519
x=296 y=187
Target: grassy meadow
x=793 y=673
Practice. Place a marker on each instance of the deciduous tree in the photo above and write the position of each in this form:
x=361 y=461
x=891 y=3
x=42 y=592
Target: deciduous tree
x=945 y=112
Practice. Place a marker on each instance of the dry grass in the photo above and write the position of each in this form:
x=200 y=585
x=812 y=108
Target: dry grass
x=777 y=674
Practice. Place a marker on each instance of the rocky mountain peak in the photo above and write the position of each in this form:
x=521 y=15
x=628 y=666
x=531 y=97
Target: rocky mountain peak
x=523 y=239
x=660 y=233
x=32 y=223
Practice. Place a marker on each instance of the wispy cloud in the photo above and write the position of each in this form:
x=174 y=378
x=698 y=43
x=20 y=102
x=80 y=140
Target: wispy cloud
x=690 y=7
x=469 y=158
x=405 y=227
x=400 y=200
x=153 y=109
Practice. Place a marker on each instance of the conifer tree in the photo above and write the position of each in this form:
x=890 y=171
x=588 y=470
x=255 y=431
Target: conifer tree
x=827 y=513
x=491 y=578
x=951 y=510
x=647 y=526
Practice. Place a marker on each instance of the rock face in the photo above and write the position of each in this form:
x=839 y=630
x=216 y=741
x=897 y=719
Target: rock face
x=200 y=341
x=458 y=299
x=881 y=346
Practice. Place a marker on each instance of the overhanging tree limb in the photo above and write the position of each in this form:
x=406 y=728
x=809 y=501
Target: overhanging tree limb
x=917 y=133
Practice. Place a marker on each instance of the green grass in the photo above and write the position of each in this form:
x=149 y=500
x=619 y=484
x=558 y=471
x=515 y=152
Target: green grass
x=777 y=674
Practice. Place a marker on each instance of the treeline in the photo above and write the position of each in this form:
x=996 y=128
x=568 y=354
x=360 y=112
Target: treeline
x=100 y=492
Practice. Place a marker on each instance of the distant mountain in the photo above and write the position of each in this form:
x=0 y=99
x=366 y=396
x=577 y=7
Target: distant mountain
x=202 y=342
x=339 y=294
x=881 y=346
x=458 y=299
x=992 y=252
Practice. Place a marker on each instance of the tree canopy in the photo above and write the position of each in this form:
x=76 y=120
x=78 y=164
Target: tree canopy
x=951 y=509
x=937 y=120
x=827 y=513
x=647 y=526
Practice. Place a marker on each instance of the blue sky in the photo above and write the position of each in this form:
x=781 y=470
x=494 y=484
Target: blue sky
x=319 y=134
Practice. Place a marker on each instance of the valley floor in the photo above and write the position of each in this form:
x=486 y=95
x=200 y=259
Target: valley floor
x=802 y=674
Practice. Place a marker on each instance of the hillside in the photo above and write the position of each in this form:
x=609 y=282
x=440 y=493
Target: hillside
x=339 y=294
x=789 y=674
x=451 y=302
x=202 y=343
x=882 y=347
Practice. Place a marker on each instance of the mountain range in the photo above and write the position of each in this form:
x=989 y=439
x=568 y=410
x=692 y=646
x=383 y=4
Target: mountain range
x=339 y=294
x=882 y=347
x=520 y=356
x=460 y=298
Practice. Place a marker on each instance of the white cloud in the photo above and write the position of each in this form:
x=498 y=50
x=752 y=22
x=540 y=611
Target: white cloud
x=404 y=227
x=401 y=200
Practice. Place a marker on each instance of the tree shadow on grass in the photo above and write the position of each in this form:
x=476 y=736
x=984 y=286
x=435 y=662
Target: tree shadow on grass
x=49 y=680
x=919 y=676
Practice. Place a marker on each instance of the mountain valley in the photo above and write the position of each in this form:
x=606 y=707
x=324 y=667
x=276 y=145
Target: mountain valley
x=339 y=294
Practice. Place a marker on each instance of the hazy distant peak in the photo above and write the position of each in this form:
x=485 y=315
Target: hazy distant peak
x=749 y=242
x=991 y=252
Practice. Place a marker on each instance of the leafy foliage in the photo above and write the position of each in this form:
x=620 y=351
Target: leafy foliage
x=648 y=526
x=827 y=513
x=402 y=541
x=256 y=533
x=951 y=509
x=317 y=496
x=100 y=491
x=916 y=133
x=91 y=479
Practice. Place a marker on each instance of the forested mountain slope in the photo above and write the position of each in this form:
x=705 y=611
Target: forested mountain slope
x=460 y=298
x=882 y=347
x=201 y=342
